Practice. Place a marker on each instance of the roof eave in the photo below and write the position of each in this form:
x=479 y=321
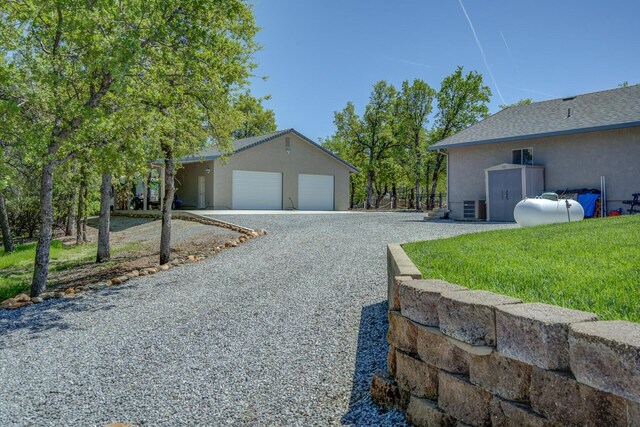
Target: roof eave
x=440 y=146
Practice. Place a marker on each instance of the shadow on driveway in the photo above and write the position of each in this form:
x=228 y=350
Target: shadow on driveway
x=46 y=316
x=371 y=356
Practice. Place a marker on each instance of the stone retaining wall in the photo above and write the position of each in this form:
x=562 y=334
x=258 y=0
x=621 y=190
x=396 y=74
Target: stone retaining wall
x=460 y=356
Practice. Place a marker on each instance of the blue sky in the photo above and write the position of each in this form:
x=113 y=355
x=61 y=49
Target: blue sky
x=320 y=54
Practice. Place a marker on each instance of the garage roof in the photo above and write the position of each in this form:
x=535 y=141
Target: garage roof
x=609 y=109
x=239 y=145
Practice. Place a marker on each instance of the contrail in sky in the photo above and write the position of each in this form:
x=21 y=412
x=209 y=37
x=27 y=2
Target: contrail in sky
x=505 y=43
x=484 y=58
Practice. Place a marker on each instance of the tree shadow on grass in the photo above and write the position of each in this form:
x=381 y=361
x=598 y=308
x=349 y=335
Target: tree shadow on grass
x=371 y=356
x=30 y=322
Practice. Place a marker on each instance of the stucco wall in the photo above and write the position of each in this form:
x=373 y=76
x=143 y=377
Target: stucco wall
x=187 y=183
x=570 y=161
x=270 y=156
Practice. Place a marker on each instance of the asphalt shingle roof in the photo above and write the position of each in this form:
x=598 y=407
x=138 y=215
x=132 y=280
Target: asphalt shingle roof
x=212 y=152
x=609 y=109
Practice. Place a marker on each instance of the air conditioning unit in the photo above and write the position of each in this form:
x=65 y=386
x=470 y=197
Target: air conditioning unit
x=474 y=209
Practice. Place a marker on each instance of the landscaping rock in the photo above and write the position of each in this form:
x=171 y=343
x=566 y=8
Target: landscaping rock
x=134 y=273
x=402 y=333
x=606 y=355
x=9 y=301
x=463 y=400
x=440 y=351
x=262 y=232
x=425 y=413
x=59 y=294
x=69 y=291
x=242 y=239
x=393 y=297
x=22 y=298
x=143 y=272
x=470 y=315
x=559 y=397
x=47 y=295
x=537 y=333
x=415 y=376
x=511 y=414
x=164 y=267
x=118 y=280
x=419 y=299
x=37 y=300
x=391 y=361
x=152 y=270
x=503 y=376
x=386 y=393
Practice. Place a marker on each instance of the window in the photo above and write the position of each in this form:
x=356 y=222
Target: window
x=522 y=156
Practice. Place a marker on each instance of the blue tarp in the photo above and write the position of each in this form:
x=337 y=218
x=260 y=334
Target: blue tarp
x=588 y=202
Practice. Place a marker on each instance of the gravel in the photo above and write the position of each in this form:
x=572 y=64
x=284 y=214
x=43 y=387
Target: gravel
x=284 y=330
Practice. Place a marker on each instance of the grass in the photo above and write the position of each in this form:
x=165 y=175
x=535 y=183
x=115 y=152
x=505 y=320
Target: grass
x=16 y=268
x=591 y=265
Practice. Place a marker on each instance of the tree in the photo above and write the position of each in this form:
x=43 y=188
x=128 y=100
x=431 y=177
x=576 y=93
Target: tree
x=256 y=120
x=190 y=81
x=64 y=58
x=525 y=101
x=462 y=101
x=375 y=134
x=415 y=106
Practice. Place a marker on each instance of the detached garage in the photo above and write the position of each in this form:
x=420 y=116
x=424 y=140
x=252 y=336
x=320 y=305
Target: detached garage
x=280 y=170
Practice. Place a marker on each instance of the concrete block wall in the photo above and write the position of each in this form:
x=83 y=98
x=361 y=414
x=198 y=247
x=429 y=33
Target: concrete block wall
x=465 y=357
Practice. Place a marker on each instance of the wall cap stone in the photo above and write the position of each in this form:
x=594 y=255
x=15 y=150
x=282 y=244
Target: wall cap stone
x=606 y=355
x=405 y=266
x=548 y=314
x=480 y=297
x=419 y=299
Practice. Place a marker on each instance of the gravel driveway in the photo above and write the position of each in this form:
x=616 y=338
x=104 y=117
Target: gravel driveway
x=284 y=330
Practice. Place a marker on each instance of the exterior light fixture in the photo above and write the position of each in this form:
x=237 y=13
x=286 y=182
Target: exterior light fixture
x=208 y=170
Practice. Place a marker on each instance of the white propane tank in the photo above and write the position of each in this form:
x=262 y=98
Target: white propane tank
x=538 y=211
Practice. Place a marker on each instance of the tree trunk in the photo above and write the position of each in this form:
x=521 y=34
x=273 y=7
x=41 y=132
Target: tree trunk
x=80 y=215
x=165 y=237
x=71 y=215
x=427 y=185
x=85 y=214
x=40 y=269
x=352 y=195
x=411 y=200
x=394 y=197
x=434 y=178
x=418 y=169
x=4 y=227
x=104 y=248
x=369 y=189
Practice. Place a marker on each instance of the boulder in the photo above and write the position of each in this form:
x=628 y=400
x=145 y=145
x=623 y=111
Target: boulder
x=22 y=298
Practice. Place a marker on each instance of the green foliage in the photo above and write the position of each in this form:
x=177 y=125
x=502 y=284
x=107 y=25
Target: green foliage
x=591 y=265
x=525 y=101
x=389 y=143
x=256 y=120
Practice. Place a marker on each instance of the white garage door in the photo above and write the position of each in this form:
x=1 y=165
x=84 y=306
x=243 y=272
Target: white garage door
x=315 y=192
x=256 y=190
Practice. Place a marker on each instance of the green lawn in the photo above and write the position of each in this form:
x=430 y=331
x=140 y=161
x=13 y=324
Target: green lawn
x=16 y=269
x=591 y=265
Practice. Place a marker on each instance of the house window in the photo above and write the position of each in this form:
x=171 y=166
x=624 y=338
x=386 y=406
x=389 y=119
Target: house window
x=522 y=156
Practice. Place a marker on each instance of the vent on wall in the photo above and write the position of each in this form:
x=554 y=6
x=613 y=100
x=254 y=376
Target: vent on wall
x=287 y=144
x=474 y=209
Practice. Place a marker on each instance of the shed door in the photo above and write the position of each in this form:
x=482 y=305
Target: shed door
x=505 y=191
x=315 y=192
x=256 y=190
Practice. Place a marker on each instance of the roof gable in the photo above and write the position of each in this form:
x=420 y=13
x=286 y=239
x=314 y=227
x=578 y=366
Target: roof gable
x=610 y=109
x=239 y=145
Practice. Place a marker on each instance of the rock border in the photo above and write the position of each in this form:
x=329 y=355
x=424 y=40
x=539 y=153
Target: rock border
x=24 y=300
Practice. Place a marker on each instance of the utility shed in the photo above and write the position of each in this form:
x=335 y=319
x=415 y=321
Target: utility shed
x=507 y=184
x=577 y=140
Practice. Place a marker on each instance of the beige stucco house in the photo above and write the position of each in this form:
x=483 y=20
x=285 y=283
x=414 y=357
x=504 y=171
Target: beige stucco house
x=568 y=143
x=279 y=170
